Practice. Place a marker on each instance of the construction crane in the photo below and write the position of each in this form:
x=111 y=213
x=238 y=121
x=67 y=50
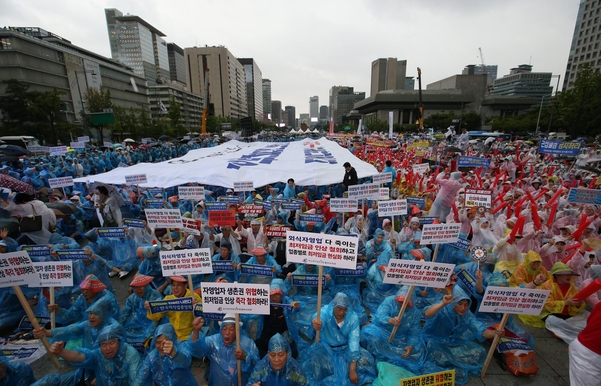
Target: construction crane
x=481 y=57
x=421 y=104
x=205 y=105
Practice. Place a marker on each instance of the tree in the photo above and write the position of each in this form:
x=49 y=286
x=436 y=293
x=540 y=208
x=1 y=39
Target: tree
x=97 y=101
x=46 y=107
x=16 y=117
x=176 y=129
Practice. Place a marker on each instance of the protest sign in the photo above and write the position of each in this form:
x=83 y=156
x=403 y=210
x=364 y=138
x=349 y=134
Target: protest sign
x=38 y=149
x=154 y=203
x=163 y=218
x=507 y=344
x=443 y=378
x=292 y=205
x=461 y=243
x=58 y=150
x=122 y=165
x=117 y=232
x=191 y=192
x=25 y=323
x=255 y=269
x=392 y=208
x=36 y=250
x=210 y=206
x=465 y=161
x=343 y=205
x=418 y=273
x=440 y=233
x=425 y=220
x=359 y=271
x=421 y=168
x=222 y=218
x=479 y=253
x=85 y=138
x=243 y=186
x=53 y=274
x=251 y=209
x=468 y=280
x=308 y=217
x=136 y=179
x=171 y=305
x=235 y=200
x=522 y=301
x=267 y=205
x=198 y=312
x=417 y=201
x=364 y=191
x=383 y=178
x=279 y=232
x=384 y=194
x=155 y=191
x=60 y=182
x=22 y=354
x=191 y=226
x=307 y=280
x=478 y=197
x=133 y=223
x=223 y=266
x=235 y=297
x=322 y=249
x=72 y=254
x=78 y=145
x=186 y=262
x=16 y=269
x=559 y=148
x=584 y=196
x=107 y=144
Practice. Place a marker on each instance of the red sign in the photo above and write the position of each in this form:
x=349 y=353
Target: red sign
x=277 y=231
x=222 y=217
x=251 y=209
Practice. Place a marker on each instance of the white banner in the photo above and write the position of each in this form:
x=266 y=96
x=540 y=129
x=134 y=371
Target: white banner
x=478 y=197
x=163 y=218
x=522 y=301
x=186 y=262
x=54 y=274
x=364 y=191
x=136 y=179
x=78 y=145
x=383 y=178
x=419 y=273
x=392 y=208
x=191 y=226
x=191 y=192
x=107 y=144
x=58 y=150
x=60 y=182
x=243 y=186
x=16 y=268
x=236 y=298
x=384 y=194
x=321 y=249
x=343 y=205
x=420 y=168
x=85 y=138
x=440 y=233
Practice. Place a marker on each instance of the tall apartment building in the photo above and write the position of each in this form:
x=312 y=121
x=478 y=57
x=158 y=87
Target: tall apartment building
x=388 y=74
x=177 y=66
x=314 y=109
x=586 y=41
x=254 y=88
x=139 y=45
x=276 y=112
x=267 y=99
x=490 y=71
x=226 y=79
x=291 y=111
x=522 y=82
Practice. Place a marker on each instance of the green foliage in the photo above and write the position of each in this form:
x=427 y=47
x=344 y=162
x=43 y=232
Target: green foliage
x=469 y=120
x=176 y=128
x=97 y=101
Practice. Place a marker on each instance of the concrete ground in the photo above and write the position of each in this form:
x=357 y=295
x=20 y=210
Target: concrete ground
x=552 y=356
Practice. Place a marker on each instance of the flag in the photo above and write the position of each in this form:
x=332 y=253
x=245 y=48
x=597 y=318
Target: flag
x=359 y=129
x=331 y=126
x=162 y=107
x=390 y=123
x=133 y=83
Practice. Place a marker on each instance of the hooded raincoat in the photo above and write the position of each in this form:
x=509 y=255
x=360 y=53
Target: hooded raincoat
x=290 y=375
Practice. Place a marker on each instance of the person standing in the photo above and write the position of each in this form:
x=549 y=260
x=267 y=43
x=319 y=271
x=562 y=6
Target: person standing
x=350 y=176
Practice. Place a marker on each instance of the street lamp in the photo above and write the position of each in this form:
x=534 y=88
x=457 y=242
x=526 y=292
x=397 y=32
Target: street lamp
x=540 y=109
x=83 y=111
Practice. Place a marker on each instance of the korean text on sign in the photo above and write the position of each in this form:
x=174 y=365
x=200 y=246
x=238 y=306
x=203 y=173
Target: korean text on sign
x=364 y=191
x=54 y=274
x=307 y=280
x=420 y=273
x=16 y=269
x=60 y=182
x=191 y=192
x=111 y=232
x=392 y=208
x=478 y=197
x=136 y=179
x=321 y=249
x=514 y=300
x=584 y=196
x=58 y=150
x=177 y=305
x=440 y=233
x=191 y=226
x=279 y=232
x=243 y=186
x=163 y=218
x=235 y=297
x=383 y=178
x=222 y=217
x=443 y=378
x=186 y=262
x=343 y=205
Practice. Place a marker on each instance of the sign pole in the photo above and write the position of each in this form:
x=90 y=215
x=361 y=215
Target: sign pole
x=239 y=363
x=401 y=312
x=191 y=286
x=34 y=322
x=64 y=193
x=170 y=238
x=52 y=314
x=139 y=196
x=319 y=288
x=493 y=346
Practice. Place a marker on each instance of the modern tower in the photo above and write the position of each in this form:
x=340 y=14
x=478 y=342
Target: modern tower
x=276 y=112
x=522 y=82
x=291 y=111
x=586 y=41
x=254 y=88
x=490 y=71
x=177 y=66
x=314 y=109
x=267 y=99
x=388 y=74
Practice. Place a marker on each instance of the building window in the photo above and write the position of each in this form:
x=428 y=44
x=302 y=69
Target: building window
x=5 y=44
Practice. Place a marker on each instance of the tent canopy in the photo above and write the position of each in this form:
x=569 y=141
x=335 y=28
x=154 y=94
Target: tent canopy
x=308 y=162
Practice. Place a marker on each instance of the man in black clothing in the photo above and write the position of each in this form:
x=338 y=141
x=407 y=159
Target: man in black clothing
x=350 y=176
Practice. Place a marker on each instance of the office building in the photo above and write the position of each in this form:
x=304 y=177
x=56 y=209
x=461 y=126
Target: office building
x=291 y=112
x=303 y=118
x=522 y=82
x=137 y=44
x=388 y=74
x=226 y=79
x=267 y=99
x=276 y=112
x=314 y=109
x=489 y=70
x=323 y=113
x=409 y=83
x=254 y=88
x=344 y=102
x=586 y=41
x=177 y=66
x=190 y=104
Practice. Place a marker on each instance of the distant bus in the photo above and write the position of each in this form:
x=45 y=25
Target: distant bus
x=20 y=140
x=487 y=134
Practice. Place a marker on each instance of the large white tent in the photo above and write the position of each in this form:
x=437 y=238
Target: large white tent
x=309 y=162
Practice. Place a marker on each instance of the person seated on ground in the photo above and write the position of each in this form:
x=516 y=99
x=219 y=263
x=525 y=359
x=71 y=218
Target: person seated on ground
x=260 y=257
x=226 y=254
x=113 y=361
x=124 y=258
x=450 y=330
x=529 y=274
x=92 y=290
x=180 y=320
x=201 y=240
x=255 y=235
x=376 y=290
x=278 y=366
x=227 y=235
x=168 y=363
x=222 y=352
x=339 y=326
x=151 y=266
x=133 y=318
x=378 y=247
x=15 y=373
x=407 y=350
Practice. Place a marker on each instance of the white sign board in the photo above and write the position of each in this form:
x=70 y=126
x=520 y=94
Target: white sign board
x=392 y=208
x=420 y=168
x=321 y=249
x=514 y=300
x=191 y=192
x=163 y=218
x=343 y=205
x=107 y=144
x=419 y=273
x=440 y=233
x=478 y=197
x=54 y=274
x=384 y=194
x=78 y=145
x=186 y=262
x=364 y=191
x=243 y=186
x=38 y=149
x=383 y=178
x=237 y=298
x=187 y=137
x=60 y=182
x=16 y=269
x=136 y=179
x=191 y=226
x=58 y=150
x=85 y=138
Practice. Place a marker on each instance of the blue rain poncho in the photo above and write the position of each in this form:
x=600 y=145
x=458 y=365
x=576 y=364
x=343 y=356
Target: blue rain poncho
x=124 y=253
x=133 y=316
x=351 y=286
x=223 y=370
x=269 y=261
x=16 y=373
x=374 y=337
x=376 y=291
x=450 y=338
x=230 y=275
x=77 y=312
x=151 y=266
x=164 y=370
x=378 y=253
x=290 y=375
x=339 y=346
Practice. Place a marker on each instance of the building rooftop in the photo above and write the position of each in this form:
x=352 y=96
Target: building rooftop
x=141 y=21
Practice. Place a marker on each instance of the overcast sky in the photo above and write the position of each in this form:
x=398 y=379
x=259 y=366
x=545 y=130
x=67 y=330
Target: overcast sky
x=307 y=46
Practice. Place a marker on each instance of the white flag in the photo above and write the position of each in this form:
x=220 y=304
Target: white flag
x=162 y=107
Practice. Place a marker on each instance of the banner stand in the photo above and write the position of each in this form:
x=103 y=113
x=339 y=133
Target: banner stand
x=319 y=289
x=493 y=346
x=52 y=314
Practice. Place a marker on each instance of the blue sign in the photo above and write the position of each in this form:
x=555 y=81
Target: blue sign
x=585 y=196
x=122 y=165
x=467 y=279
x=111 y=232
x=463 y=244
x=36 y=250
x=512 y=344
x=425 y=220
x=155 y=191
x=465 y=161
x=285 y=306
x=73 y=254
x=360 y=271
x=307 y=280
x=206 y=315
x=267 y=205
x=559 y=147
x=292 y=205
x=417 y=201
x=311 y=217
x=223 y=266
x=173 y=305
x=26 y=325
x=154 y=203
x=230 y=199
x=216 y=206
x=133 y=223
x=255 y=269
